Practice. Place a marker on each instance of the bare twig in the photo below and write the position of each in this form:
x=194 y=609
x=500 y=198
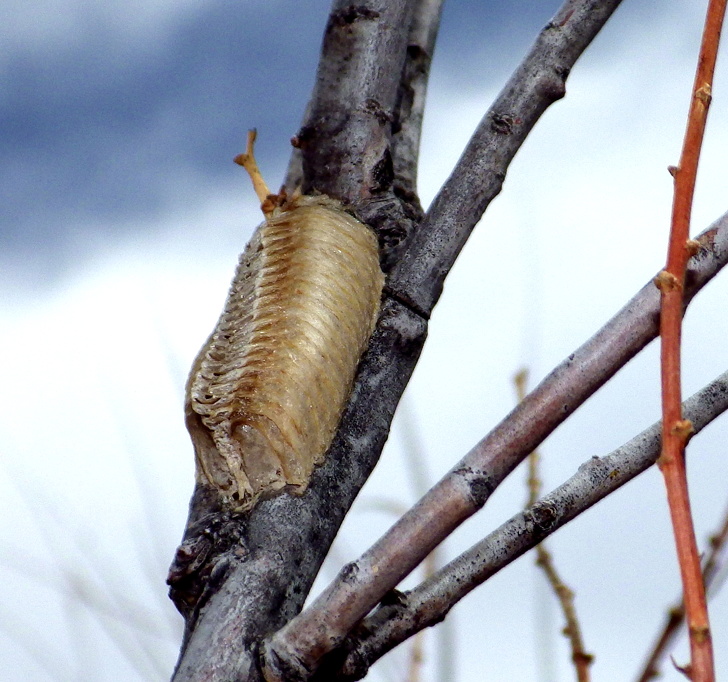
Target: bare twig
x=363 y=583
x=429 y=603
x=676 y=430
x=478 y=177
x=407 y=126
x=676 y=615
x=579 y=656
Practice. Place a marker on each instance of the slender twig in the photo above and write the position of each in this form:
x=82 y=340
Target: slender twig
x=676 y=430
x=676 y=615
x=715 y=562
x=430 y=564
x=424 y=606
x=478 y=177
x=407 y=125
x=362 y=584
x=579 y=656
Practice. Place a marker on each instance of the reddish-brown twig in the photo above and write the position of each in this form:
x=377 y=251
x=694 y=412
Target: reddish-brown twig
x=675 y=430
x=676 y=615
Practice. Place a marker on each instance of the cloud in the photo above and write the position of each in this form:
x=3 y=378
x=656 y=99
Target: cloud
x=122 y=218
x=103 y=127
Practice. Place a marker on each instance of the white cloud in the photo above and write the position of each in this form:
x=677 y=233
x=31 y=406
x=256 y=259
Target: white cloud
x=91 y=413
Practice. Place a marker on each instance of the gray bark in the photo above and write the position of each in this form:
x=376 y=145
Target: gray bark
x=240 y=578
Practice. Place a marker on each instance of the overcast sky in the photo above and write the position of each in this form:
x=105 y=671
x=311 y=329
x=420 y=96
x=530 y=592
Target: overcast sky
x=121 y=219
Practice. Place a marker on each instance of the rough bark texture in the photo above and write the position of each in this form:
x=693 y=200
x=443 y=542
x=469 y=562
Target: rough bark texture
x=239 y=578
x=258 y=569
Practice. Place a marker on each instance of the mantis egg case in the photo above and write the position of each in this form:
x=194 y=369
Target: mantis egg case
x=266 y=392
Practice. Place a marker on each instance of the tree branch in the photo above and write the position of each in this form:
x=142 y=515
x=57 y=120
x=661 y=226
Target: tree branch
x=237 y=578
x=294 y=651
x=346 y=136
x=675 y=430
x=430 y=602
x=478 y=177
x=359 y=141
x=676 y=615
x=250 y=575
x=410 y=109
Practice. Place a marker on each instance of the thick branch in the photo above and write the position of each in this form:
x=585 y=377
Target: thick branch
x=478 y=177
x=251 y=575
x=346 y=136
x=297 y=648
x=430 y=602
x=237 y=578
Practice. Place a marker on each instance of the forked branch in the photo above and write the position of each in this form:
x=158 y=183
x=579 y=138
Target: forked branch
x=237 y=579
x=298 y=647
x=427 y=604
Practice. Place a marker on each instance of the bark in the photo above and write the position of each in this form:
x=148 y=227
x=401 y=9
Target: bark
x=428 y=604
x=297 y=648
x=240 y=578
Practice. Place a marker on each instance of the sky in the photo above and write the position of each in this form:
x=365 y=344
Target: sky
x=121 y=219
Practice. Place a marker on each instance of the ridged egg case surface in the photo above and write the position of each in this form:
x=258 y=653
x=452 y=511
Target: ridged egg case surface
x=267 y=390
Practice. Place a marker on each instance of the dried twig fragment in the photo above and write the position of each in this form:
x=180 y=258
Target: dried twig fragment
x=581 y=659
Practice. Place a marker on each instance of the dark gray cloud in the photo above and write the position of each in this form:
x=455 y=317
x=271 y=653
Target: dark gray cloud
x=94 y=132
